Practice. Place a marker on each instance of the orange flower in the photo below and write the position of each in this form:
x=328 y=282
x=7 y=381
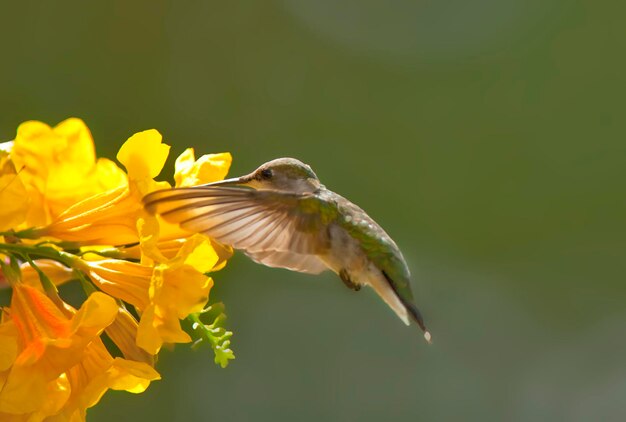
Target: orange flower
x=49 y=342
x=52 y=361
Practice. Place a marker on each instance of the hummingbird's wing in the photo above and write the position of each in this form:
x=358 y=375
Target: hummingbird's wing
x=270 y=227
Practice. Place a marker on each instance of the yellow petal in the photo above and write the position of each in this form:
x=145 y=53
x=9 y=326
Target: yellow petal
x=208 y=168
x=130 y=376
x=143 y=154
x=36 y=318
x=96 y=313
x=108 y=218
x=148 y=337
x=8 y=345
x=184 y=164
x=155 y=329
x=125 y=280
x=56 y=272
x=224 y=253
x=123 y=332
x=50 y=341
x=187 y=288
x=148 y=228
x=109 y=174
x=98 y=372
x=27 y=391
x=58 y=167
x=79 y=148
x=13 y=195
x=24 y=391
x=178 y=287
x=57 y=393
x=203 y=258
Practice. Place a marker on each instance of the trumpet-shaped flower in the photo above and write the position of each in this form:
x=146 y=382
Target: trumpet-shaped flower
x=128 y=281
x=50 y=341
x=164 y=292
x=58 y=166
x=53 y=364
x=98 y=372
x=110 y=218
x=178 y=288
x=66 y=216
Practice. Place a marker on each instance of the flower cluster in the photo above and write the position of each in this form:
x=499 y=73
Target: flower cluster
x=67 y=216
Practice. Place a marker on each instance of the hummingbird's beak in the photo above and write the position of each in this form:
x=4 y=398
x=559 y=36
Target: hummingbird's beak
x=234 y=182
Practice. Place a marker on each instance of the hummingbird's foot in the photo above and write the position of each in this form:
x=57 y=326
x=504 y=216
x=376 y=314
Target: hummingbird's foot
x=345 y=277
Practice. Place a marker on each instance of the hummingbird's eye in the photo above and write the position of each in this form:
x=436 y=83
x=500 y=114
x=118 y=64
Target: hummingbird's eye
x=266 y=174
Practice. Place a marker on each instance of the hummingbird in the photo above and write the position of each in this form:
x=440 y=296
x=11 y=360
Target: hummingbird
x=281 y=215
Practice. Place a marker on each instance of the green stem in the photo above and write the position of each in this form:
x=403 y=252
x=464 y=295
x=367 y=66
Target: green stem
x=34 y=252
x=31 y=233
x=200 y=329
x=85 y=283
x=195 y=319
x=113 y=253
x=47 y=284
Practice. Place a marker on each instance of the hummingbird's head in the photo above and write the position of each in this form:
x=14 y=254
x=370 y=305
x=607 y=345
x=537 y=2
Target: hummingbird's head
x=281 y=174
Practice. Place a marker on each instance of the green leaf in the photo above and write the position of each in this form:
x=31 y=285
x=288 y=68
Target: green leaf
x=208 y=327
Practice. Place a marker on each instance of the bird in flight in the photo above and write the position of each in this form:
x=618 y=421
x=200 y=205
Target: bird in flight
x=281 y=216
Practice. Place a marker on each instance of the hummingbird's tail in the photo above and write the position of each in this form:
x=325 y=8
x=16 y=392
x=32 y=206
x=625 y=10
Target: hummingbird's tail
x=402 y=306
x=417 y=317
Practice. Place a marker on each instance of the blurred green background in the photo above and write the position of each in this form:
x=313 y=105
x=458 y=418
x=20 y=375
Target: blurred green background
x=487 y=137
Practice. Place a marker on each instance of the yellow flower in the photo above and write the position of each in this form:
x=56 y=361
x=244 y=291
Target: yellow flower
x=208 y=168
x=13 y=195
x=110 y=218
x=53 y=363
x=169 y=248
x=178 y=288
x=49 y=342
x=58 y=166
x=164 y=292
x=144 y=155
x=97 y=372
x=165 y=239
x=124 y=280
